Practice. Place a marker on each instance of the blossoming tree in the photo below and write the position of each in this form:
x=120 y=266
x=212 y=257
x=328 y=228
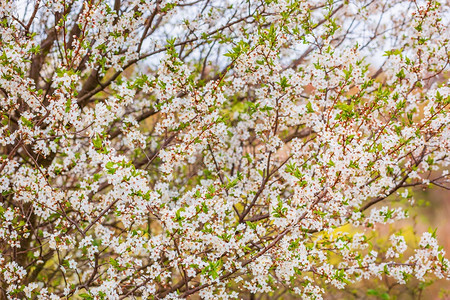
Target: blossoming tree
x=217 y=148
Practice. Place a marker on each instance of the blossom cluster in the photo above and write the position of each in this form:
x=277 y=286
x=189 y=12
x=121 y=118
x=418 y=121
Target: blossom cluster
x=218 y=148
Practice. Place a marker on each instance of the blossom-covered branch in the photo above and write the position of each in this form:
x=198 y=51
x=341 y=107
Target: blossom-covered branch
x=219 y=148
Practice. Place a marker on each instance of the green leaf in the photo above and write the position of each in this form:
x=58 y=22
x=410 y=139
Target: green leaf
x=97 y=142
x=385 y=296
x=68 y=104
x=401 y=74
x=114 y=263
x=27 y=122
x=309 y=107
x=86 y=296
